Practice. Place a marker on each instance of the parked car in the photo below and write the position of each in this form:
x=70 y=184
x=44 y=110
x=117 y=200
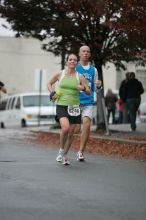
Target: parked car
x=142 y=112
x=27 y=109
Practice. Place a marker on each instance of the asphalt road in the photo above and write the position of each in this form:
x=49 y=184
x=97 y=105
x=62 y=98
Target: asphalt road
x=34 y=187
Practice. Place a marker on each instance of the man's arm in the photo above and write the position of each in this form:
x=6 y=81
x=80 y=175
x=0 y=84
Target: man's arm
x=2 y=87
x=97 y=82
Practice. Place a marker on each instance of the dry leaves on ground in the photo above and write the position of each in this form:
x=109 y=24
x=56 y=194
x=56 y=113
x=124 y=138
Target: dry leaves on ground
x=98 y=146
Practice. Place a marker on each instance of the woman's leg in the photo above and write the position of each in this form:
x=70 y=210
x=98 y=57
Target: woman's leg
x=64 y=123
x=69 y=138
x=66 y=138
x=120 y=117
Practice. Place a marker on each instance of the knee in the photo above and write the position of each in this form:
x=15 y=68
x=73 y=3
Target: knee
x=65 y=129
x=86 y=124
x=77 y=129
x=70 y=135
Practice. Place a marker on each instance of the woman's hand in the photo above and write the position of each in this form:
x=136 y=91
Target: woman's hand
x=53 y=96
x=84 y=85
x=80 y=87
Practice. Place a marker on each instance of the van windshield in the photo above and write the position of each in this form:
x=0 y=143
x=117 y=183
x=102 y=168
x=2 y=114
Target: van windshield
x=35 y=100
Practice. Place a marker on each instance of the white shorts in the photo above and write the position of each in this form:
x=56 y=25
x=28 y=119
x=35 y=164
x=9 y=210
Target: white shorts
x=87 y=111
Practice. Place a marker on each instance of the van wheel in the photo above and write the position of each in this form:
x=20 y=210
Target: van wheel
x=2 y=125
x=23 y=123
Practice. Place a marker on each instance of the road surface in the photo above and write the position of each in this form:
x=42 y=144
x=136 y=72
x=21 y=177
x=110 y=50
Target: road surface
x=34 y=187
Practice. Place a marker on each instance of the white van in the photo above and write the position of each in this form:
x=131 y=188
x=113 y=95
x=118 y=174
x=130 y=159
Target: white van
x=27 y=109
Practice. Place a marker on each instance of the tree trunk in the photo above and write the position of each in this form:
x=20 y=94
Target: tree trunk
x=100 y=96
x=100 y=111
x=98 y=65
x=63 y=58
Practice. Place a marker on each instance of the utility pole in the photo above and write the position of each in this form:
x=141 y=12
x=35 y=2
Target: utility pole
x=40 y=97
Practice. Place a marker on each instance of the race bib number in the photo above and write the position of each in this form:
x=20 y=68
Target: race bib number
x=74 y=110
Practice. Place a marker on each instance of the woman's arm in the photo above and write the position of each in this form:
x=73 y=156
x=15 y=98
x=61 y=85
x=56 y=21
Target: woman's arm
x=52 y=81
x=50 y=84
x=84 y=86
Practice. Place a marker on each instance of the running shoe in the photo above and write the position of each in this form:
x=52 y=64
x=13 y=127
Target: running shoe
x=59 y=157
x=65 y=161
x=80 y=156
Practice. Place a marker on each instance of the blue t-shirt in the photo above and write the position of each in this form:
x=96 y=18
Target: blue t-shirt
x=89 y=75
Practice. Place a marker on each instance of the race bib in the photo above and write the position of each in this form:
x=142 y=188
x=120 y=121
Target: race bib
x=74 y=110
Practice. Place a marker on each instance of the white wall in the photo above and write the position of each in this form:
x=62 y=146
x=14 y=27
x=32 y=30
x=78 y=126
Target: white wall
x=19 y=58
x=109 y=76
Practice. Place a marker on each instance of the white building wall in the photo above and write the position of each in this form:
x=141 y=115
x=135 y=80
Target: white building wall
x=112 y=77
x=19 y=58
x=109 y=76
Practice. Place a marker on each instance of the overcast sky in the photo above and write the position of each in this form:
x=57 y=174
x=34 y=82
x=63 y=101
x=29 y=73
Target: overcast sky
x=4 y=31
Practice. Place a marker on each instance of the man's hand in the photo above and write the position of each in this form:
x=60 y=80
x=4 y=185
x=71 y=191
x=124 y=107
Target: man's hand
x=2 y=87
x=98 y=83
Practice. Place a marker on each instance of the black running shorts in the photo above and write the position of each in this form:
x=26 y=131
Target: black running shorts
x=61 y=111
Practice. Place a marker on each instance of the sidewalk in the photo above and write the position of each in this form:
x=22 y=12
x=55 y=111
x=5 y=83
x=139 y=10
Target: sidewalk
x=141 y=128
x=120 y=132
x=119 y=142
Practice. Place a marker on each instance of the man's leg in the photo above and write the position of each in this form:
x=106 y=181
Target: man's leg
x=113 y=116
x=132 y=113
x=136 y=103
x=108 y=115
x=84 y=137
x=77 y=129
x=85 y=133
x=87 y=114
x=125 y=114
